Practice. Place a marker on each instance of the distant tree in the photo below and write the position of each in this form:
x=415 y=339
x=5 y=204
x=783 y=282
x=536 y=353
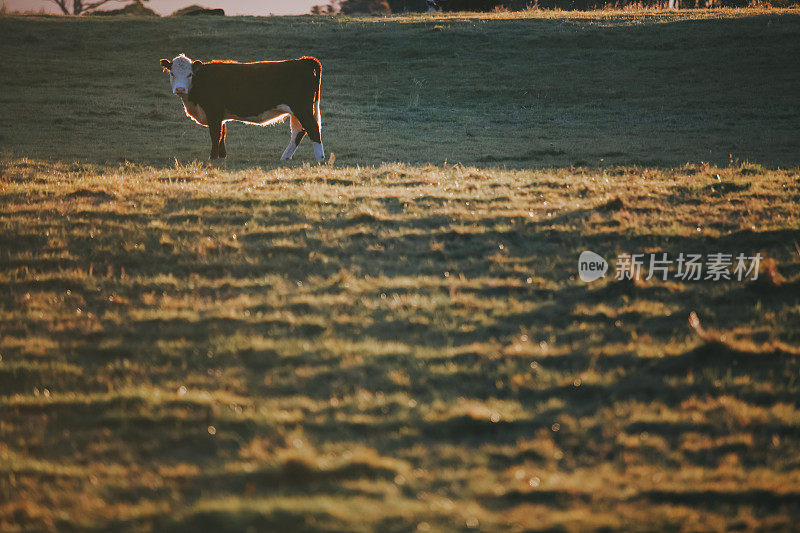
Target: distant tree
x=323 y=10
x=399 y=6
x=465 y=5
x=195 y=9
x=373 y=7
x=350 y=7
x=77 y=7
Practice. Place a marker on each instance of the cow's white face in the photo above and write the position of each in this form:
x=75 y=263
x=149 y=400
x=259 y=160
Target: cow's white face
x=181 y=71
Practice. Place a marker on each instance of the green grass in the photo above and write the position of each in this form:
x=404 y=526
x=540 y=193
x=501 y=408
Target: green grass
x=393 y=343
x=599 y=90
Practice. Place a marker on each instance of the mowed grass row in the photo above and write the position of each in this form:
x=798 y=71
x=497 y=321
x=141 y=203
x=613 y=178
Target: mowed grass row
x=393 y=348
x=541 y=90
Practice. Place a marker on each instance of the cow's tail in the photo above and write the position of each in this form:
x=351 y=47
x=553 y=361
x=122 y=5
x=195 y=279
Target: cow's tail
x=318 y=96
x=316 y=69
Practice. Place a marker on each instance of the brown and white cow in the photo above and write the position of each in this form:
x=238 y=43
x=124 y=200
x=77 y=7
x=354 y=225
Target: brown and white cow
x=261 y=93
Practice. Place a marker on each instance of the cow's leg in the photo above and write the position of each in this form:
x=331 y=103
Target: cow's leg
x=319 y=150
x=215 y=130
x=296 y=136
x=223 y=133
x=312 y=122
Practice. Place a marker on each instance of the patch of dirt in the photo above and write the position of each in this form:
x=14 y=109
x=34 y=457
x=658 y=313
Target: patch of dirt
x=96 y=195
x=615 y=204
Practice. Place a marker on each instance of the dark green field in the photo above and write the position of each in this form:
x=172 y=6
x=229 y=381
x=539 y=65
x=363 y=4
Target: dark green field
x=399 y=341
x=592 y=90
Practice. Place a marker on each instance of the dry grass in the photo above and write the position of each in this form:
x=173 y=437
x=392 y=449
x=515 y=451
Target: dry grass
x=391 y=348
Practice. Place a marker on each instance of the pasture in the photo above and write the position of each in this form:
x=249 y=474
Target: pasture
x=399 y=341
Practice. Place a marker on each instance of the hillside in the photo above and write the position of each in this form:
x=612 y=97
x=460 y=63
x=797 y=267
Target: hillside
x=590 y=90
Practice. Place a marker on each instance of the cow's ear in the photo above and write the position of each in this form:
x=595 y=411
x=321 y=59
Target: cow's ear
x=196 y=66
x=166 y=64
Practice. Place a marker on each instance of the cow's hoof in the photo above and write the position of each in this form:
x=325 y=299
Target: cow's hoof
x=319 y=152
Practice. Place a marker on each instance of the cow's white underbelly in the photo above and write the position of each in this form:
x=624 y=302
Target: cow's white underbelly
x=262 y=119
x=196 y=113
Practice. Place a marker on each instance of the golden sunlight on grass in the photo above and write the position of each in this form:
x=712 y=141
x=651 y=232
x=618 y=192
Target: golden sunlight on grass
x=190 y=346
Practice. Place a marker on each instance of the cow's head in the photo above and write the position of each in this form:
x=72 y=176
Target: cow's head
x=434 y=6
x=181 y=71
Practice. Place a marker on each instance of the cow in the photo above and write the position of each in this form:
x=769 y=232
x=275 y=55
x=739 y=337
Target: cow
x=437 y=6
x=264 y=92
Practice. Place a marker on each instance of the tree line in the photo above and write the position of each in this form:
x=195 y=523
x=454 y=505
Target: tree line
x=381 y=7
x=376 y=7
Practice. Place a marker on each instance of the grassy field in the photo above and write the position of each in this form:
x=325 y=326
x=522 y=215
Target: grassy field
x=399 y=341
x=592 y=90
